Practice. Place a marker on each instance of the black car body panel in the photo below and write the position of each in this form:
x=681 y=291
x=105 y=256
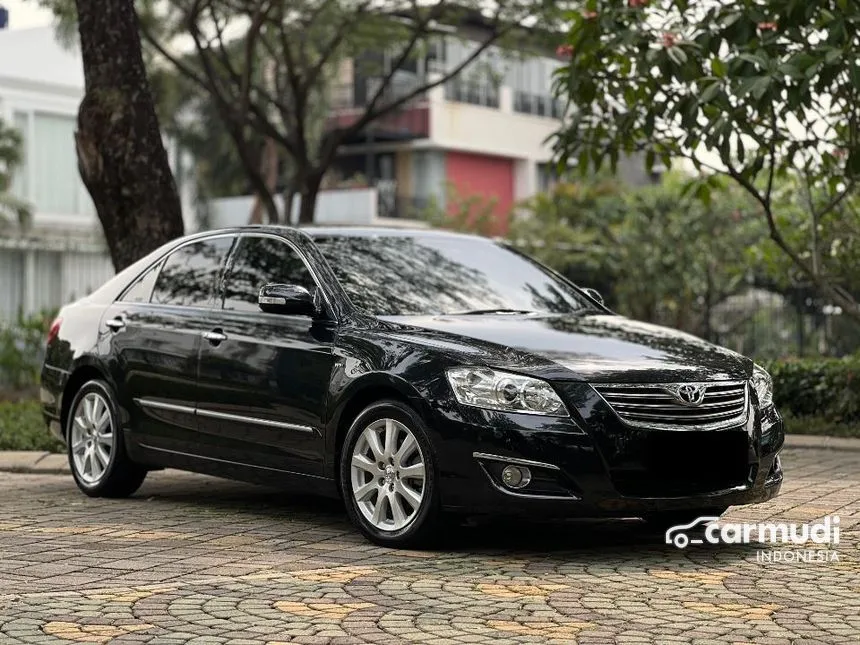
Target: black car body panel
x=270 y=402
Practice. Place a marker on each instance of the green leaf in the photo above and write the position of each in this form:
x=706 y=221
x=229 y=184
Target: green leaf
x=710 y=92
x=755 y=59
x=832 y=56
x=852 y=165
x=677 y=55
x=719 y=68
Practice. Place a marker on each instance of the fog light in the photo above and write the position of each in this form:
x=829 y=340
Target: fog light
x=516 y=476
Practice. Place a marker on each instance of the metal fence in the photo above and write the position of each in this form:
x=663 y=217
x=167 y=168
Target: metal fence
x=38 y=277
x=773 y=325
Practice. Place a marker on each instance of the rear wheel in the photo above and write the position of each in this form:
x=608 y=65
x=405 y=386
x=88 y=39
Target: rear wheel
x=388 y=477
x=97 y=456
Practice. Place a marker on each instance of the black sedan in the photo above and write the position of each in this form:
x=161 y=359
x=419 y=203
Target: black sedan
x=411 y=373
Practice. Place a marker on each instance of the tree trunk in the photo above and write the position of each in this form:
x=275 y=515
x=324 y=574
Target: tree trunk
x=121 y=156
x=309 y=190
x=269 y=171
x=289 y=196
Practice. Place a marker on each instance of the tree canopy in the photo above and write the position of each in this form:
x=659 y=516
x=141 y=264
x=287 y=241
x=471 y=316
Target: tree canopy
x=756 y=90
x=655 y=254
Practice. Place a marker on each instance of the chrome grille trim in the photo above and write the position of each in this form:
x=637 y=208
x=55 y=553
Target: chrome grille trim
x=647 y=405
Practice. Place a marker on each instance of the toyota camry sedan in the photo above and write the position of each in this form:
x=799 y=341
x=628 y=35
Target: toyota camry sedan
x=411 y=373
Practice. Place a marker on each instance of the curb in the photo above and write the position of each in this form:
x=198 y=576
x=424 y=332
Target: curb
x=34 y=461
x=806 y=441
x=47 y=463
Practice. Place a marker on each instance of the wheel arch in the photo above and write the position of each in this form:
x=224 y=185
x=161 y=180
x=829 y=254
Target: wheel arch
x=362 y=393
x=87 y=369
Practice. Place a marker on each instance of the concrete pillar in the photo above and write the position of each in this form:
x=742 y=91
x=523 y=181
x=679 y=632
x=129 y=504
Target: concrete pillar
x=29 y=277
x=506 y=99
x=525 y=178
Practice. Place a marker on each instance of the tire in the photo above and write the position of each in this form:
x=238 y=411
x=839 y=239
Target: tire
x=665 y=520
x=396 y=510
x=97 y=458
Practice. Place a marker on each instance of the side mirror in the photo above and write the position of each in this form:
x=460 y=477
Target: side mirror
x=286 y=299
x=594 y=294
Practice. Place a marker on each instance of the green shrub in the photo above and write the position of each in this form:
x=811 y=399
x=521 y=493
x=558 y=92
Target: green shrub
x=820 y=426
x=22 y=428
x=22 y=347
x=826 y=388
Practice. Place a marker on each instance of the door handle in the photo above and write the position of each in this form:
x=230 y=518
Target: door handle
x=215 y=336
x=115 y=324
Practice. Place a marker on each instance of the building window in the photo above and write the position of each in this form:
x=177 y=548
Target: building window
x=21 y=180
x=479 y=81
x=531 y=81
x=48 y=177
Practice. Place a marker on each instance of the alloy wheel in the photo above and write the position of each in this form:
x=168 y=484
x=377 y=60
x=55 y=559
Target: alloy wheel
x=91 y=438
x=388 y=475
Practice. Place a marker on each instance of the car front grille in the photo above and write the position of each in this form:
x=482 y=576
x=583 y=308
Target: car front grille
x=722 y=404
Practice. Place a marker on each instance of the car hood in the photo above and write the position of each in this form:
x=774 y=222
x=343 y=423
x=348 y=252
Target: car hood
x=592 y=347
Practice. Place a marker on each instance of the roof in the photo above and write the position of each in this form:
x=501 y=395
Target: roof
x=35 y=56
x=353 y=231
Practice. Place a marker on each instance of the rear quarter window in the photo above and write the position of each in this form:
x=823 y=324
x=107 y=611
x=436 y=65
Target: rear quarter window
x=141 y=289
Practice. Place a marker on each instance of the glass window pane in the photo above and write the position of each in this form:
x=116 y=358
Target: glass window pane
x=141 y=289
x=55 y=164
x=260 y=261
x=190 y=274
x=21 y=179
x=388 y=275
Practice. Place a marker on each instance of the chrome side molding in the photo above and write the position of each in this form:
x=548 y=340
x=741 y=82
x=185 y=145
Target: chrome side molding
x=225 y=416
x=269 y=423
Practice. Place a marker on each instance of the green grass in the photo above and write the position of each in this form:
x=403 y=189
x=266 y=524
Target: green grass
x=22 y=427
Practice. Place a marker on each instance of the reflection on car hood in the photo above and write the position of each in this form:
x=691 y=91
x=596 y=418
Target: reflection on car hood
x=594 y=347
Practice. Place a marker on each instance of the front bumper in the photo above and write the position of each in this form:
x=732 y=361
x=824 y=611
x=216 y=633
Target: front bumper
x=593 y=465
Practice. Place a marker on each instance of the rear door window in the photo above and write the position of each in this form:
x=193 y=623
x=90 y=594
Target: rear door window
x=191 y=273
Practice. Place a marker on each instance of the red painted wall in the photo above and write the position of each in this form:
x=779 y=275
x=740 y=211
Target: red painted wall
x=485 y=176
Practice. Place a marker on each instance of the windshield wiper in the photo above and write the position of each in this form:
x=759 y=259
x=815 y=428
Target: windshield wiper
x=480 y=312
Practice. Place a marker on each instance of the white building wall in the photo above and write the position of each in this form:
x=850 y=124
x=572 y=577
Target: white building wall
x=41 y=86
x=35 y=280
x=490 y=131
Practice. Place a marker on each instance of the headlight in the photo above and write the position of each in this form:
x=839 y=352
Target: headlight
x=486 y=388
x=763 y=385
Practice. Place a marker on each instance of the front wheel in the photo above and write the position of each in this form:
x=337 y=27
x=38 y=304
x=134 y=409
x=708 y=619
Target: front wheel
x=97 y=456
x=388 y=476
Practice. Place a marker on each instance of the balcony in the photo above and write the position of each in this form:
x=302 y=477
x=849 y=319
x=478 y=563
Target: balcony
x=411 y=120
x=473 y=92
x=526 y=103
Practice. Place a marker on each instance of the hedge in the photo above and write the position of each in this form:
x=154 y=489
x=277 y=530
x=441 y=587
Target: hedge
x=22 y=427
x=825 y=388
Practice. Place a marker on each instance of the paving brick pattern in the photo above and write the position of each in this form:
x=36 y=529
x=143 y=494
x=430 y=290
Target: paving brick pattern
x=197 y=560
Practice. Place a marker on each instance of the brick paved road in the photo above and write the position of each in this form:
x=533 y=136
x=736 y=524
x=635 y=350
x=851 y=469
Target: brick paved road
x=198 y=560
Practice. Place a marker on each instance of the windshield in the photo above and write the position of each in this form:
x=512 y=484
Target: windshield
x=399 y=275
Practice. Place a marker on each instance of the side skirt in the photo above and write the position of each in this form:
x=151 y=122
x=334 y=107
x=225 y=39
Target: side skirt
x=292 y=481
